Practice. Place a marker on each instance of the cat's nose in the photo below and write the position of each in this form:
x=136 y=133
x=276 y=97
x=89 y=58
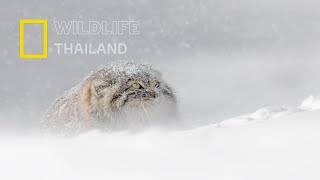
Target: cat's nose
x=152 y=94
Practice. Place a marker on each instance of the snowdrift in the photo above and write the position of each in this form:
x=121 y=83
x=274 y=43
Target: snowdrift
x=276 y=143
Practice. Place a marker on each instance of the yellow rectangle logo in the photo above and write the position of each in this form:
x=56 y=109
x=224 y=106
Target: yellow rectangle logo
x=44 y=22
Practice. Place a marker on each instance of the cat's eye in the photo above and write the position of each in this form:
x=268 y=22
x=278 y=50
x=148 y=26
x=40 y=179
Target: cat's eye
x=136 y=85
x=154 y=83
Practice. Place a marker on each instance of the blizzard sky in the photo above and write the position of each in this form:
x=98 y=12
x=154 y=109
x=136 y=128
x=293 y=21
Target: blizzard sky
x=224 y=58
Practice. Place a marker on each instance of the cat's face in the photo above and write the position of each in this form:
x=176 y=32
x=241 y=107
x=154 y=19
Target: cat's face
x=138 y=88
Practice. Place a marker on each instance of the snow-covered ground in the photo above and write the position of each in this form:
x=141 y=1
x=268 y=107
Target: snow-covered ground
x=275 y=143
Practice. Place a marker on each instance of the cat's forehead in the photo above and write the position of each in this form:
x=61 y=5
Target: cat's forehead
x=129 y=70
x=141 y=77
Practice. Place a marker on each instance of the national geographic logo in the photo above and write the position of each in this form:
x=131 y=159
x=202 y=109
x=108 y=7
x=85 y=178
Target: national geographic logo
x=78 y=30
x=44 y=23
